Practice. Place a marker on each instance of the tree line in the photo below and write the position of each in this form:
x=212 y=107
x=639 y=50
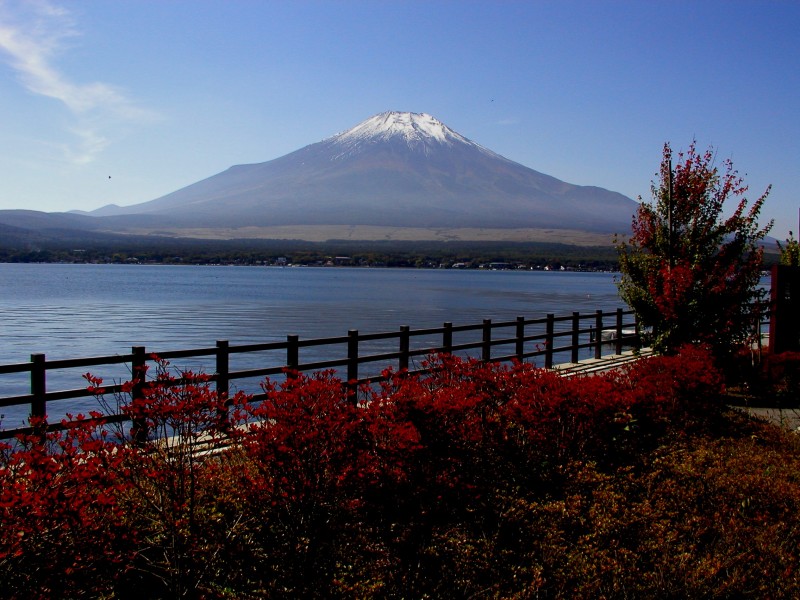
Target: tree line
x=295 y=252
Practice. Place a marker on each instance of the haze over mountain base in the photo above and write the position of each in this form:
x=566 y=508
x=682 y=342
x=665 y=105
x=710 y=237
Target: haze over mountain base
x=324 y=233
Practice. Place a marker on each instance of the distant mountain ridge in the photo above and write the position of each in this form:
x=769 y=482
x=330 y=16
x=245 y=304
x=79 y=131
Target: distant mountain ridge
x=395 y=169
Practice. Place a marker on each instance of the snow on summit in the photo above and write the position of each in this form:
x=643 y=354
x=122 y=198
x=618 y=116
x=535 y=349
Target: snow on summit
x=416 y=129
x=410 y=126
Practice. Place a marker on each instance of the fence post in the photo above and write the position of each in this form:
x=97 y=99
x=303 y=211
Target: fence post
x=548 y=341
x=292 y=355
x=405 y=346
x=352 y=364
x=486 y=347
x=576 y=326
x=223 y=369
x=618 y=348
x=138 y=376
x=520 y=335
x=598 y=338
x=447 y=338
x=38 y=386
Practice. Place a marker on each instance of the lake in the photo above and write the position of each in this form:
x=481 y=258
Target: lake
x=71 y=311
x=66 y=311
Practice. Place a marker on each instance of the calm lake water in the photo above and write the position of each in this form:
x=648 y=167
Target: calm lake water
x=71 y=311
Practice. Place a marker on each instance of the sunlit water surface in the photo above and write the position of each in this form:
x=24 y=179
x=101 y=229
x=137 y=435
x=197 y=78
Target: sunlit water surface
x=71 y=311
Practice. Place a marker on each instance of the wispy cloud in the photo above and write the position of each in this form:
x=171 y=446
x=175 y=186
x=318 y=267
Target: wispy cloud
x=90 y=144
x=33 y=35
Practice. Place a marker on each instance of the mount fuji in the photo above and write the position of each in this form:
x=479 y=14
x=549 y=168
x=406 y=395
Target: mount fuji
x=394 y=171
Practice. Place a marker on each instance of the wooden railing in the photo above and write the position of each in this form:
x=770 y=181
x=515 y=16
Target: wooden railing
x=553 y=338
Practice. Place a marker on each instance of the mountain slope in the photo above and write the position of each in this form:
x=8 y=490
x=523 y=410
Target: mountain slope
x=392 y=170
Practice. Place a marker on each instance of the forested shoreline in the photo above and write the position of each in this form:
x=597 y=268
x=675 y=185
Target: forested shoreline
x=333 y=253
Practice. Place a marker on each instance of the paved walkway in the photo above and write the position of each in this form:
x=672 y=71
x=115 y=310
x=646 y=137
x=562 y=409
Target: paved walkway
x=605 y=363
x=785 y=417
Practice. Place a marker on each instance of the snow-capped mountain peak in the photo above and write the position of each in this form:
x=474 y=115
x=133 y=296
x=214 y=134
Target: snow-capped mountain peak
x=409 y=126
x=418 y=130
x=397 y=170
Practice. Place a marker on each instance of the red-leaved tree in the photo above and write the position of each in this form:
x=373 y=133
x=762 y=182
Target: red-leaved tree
x=691 y=269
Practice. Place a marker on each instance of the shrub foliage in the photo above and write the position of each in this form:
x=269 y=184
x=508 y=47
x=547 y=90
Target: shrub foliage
x=477 y=480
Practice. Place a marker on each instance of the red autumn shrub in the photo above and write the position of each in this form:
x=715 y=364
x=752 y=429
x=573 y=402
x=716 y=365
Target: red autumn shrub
x=782 y=371
x=63 y=530
x=475 y=479
x=304 y=446
x=172 y=494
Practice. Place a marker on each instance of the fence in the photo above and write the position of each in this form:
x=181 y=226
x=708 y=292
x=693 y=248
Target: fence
x=552 y=337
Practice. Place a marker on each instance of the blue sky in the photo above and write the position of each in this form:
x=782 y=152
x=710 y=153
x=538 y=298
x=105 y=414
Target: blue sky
x=124 y=101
